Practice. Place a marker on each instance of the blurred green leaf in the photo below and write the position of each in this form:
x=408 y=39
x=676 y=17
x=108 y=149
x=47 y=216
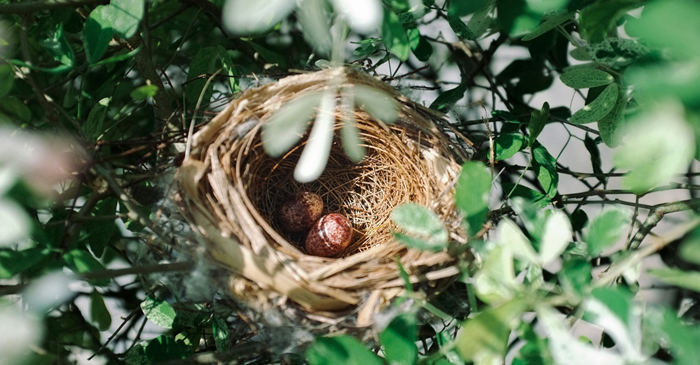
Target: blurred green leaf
x=340 y=350
x=599 y=18
x=124 y=16
x=513 y=238
x=556 y=237
x=144 y=92
x=538 y=119
x=158 y=311
x=13 y=262
x=462 y=8
x=613 y=309
x=599 y=108
x=230 y=70
x=378 y=103
x=94 y=126
x=472 y=194
x=314 y=157
x=487 y=333
x=221 y=334
x=349 y=134
x=495 y=282
x=546 y=169
x=446 y=100
x=11 y=106
x=99 y=314
x=164 y=348
x=96 y=35
x=579 y=218
x=418 y=220
x=677 y=277
x=245 y=18
x=287 y=125
x=7 y=79
x=660 y=145
x=81 y=262
x=668 y=24
x=575 y=276
x=689 y=249
x=100 y=232
x=664 y=325
x=399 y=340
x=605 y=229
x=582 y=78
x=59 y=47
x=394 y=36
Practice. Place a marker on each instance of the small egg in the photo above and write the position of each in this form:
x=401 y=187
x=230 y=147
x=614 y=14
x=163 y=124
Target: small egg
x=329 y=236
x=299 y=211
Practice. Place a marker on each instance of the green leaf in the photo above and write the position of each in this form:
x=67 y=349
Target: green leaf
x=690 y=248
x=487 y=333
x=349 y=134
x=566 y=349
x=600 y=18
x=144 y=92
x=420 y=46
x=119 y=56
x=97 y=34
x=57 y=45
x=461 y=30
x=538 y=199
x=556 y=237
x=13 y=107
x=101 y=232
x=418 y=220
x=581 y=78
x=244 y=17
x=596 y=162
x=615 y=52
x=287 y=125
x=605 y=229
x=399 y=340
x=158 y=311
x=546 y=169
x=445 y=101
x=538 y=119
x=552 y=22
x=203 y=63
x=613 y=309
x=472 y=194
x=669 y=25
x=495 y=282
x=462 y=8
x=124 y=16
x=394 y=36
x=94 y=126
x=575 y=276
x=365 y=49
x=314 y=157
x=99 y=314
x=378 y=103
x=342 y=349
x=668 y=148
x=164 y=348
x=677 y=277
x=82 y=262
x=13 y=262
x=221 y=334
x=513 y=238
x=579 y=218
x=7 y=79
x=664 y=326
x=230 y=70
x=506 y=145
x=611 y=126
x=597 y=109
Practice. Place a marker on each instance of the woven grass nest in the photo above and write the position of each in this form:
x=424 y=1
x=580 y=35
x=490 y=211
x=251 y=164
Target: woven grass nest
x=229 y=190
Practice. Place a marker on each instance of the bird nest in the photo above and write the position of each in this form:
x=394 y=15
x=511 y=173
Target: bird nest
x=230 y=190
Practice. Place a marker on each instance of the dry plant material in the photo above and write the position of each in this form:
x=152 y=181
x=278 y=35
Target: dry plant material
x=329 y=236
x=230 y=191
x=300 y=211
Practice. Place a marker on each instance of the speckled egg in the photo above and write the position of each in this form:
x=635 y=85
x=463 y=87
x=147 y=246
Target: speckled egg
x=329 y=236
x=299 y=211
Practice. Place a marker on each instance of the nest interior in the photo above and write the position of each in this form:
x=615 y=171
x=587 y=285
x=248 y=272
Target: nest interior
x=230 y=190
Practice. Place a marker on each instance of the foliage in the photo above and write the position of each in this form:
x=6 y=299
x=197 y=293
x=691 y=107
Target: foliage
x=97 y=98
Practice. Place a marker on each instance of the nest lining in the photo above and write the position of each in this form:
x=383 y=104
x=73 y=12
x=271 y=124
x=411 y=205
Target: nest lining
x=230 y=190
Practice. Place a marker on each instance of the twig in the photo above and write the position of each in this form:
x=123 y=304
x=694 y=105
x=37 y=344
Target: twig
x=655 y=216
x=124 y=322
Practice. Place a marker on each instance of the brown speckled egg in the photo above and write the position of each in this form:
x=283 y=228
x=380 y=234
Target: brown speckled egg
x=329 y=235
x=299 y=211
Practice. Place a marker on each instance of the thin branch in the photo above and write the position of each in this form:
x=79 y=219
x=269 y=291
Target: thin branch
x=657 y=213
